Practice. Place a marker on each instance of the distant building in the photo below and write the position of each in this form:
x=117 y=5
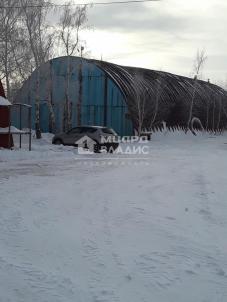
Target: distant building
x=90 y=92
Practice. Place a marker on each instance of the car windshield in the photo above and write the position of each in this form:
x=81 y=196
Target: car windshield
x=108 y=131
x=88 y=130
x=74 y=130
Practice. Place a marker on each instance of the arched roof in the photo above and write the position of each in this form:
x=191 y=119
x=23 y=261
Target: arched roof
x=162 y=96
x=169 y=96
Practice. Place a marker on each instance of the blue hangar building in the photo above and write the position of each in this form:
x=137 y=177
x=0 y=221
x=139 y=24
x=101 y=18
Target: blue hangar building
x=69 y=91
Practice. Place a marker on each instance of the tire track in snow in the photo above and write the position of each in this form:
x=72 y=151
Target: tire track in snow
x=99 y=255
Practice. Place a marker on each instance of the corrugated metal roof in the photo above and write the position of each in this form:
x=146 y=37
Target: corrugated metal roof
x=174 y=94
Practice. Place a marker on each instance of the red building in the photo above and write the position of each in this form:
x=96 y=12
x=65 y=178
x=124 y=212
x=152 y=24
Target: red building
x=6 y=140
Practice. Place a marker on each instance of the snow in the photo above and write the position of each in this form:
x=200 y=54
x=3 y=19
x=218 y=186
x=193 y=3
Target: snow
x=12 y=130
x=4 y=102
x=108 y=228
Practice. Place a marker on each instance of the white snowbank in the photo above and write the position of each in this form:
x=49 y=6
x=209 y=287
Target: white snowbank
x=43 y=149
x=4 y=102
x=13 y=130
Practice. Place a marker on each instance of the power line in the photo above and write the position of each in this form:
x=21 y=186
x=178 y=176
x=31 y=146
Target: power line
x=111 y=2
x=50 y=4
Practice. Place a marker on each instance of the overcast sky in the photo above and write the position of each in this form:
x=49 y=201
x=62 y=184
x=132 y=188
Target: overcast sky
x=162 y=35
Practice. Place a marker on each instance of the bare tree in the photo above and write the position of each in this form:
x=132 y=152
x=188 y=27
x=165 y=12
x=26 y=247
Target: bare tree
x=219 y=113
x=72 y=22
x=26 y=42
x=49 y=97
x=40 y=42
x=141 y=113
x=9 y=24
x=198 y=65
x=140 y=102
x=159 y=90
x=199 y=62
x=39 y=34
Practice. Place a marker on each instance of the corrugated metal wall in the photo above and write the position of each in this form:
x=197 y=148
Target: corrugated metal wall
x=94 y=98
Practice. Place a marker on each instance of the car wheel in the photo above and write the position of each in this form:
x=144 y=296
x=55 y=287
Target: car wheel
x=112 y=148
x=97 y=148
x=58 y=142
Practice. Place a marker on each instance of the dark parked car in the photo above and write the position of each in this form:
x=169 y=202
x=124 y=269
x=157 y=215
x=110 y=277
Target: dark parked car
x=94 y=138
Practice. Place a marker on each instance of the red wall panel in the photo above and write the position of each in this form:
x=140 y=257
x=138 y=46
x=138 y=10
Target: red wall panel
x=5 y=140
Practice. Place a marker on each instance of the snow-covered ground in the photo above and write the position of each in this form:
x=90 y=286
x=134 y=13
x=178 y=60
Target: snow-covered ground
x=91 y=229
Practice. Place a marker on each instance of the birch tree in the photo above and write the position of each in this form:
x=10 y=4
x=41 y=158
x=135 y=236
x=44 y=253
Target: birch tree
x=159 y=90
x=40 y=40
x=198 y=65
x=9 y=24
x=72 y=22
x=27 y=42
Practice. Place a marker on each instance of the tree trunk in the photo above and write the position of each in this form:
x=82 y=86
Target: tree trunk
x=37 y=108
x=50 y=101
x=79 y=104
